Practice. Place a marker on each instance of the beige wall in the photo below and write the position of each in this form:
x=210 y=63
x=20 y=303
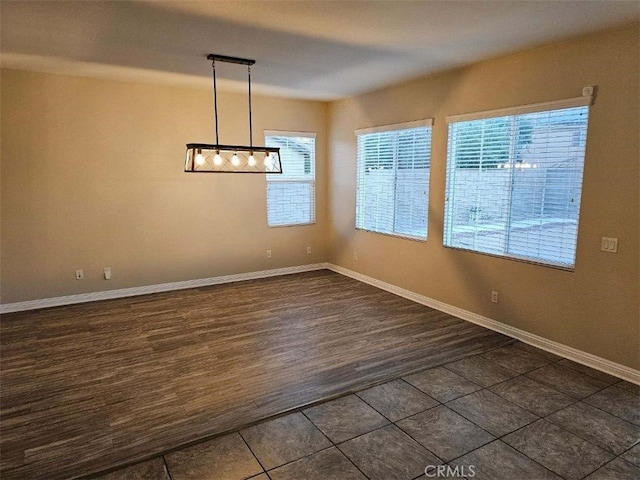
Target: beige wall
x=92 y=176
x=595 y=308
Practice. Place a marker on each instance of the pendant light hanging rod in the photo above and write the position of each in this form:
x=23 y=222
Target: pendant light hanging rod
x=250 y=122
x=215 y=98
x=241 y=61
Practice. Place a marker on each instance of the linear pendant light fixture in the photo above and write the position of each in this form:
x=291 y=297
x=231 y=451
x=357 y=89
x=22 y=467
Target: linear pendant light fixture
x=207 y=158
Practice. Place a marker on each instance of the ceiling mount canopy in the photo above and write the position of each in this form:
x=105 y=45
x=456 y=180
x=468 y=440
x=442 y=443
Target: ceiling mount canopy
x=217 y=158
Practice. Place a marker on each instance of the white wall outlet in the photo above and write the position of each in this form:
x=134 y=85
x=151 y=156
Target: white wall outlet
x=494 y=296
x=79 y=274
x=269 y=253
x=609 y=245
x=355 y=255
x=107 y=273
x=308 y=249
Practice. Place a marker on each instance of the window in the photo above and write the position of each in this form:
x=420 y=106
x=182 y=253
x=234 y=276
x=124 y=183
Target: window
x=514 y=180
x=393 y=179
x=291 y=196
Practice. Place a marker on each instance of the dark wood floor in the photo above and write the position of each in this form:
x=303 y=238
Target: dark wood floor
x=92 y=386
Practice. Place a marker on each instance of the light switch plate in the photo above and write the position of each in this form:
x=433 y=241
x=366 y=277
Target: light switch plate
x=609 y=245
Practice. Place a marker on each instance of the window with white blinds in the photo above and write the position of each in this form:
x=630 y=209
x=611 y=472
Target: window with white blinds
x=291 y=196
x=393 y=179
x=514 y=181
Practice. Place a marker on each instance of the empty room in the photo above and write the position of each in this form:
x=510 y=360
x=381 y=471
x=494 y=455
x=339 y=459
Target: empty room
x=341 y=240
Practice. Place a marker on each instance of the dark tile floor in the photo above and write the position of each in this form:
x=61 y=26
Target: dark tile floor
x=511 y=413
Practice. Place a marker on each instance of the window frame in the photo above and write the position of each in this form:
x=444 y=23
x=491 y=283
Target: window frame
x=282 y=179
x=584 y=101
x=424 y=123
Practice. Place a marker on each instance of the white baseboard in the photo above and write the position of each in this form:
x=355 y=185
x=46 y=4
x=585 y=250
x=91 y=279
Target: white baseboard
x=607 y=366
x=593 y=361
x=162 y=287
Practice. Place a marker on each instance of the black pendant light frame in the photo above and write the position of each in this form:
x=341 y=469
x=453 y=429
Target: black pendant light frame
x=218 y=158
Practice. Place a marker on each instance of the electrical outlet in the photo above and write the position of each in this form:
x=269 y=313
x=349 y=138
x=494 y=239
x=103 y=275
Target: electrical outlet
x=609 y=244
x=79 y=274
x=107 y=273
x=269 y=253
x=494 y=296
x=308 y=249
x=355 y=255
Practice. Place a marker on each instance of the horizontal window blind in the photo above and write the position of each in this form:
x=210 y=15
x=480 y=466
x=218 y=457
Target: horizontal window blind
x=291 y=196
x=393 y=180
x=514 y=184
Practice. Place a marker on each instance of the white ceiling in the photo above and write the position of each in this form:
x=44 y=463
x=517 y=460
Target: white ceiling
x=308 y=49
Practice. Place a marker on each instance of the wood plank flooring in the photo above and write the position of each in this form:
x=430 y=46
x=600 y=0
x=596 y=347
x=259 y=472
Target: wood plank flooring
x=88 y=387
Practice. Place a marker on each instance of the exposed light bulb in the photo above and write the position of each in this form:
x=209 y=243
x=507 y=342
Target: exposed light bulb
x=199 y=159
x=268 y=162
x=217 y=159
x=234 y=160
x=251 y=161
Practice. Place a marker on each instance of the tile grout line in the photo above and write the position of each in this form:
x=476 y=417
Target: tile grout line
x=332 y=443
x=439 y=404
x=264 y=470
x=415 y=440
x=611 y=413
x=335 y=444
x=615 y=455
x=166 y=467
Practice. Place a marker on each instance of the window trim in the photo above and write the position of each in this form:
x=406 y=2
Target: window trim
x=427 y=122
x=585 y=101
x=516 y=258
x=289 y=133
